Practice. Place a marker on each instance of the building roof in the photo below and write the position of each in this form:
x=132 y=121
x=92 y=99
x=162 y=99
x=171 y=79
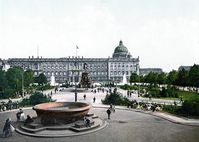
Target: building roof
x=121 y=48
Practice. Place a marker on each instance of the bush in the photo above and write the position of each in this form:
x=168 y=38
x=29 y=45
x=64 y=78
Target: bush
x=190 y=107
x=129 y=87
x=8 y=93
x=115 y=99
x=44 y=87
x=171 y=108
x=35 y=99
x=154 y=92
x=169 y=92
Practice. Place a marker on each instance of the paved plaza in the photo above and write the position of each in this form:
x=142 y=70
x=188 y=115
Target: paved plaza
x=125 y=125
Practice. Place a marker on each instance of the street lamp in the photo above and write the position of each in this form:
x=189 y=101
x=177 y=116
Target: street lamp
x=75 y=75
x=22 y=84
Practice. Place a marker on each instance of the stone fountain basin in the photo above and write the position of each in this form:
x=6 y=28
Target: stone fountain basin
x=61 y=112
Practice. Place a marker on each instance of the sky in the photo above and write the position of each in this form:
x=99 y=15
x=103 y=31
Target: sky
x=163 y=33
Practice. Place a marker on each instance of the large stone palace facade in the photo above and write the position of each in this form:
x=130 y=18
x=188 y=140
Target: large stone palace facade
x=70 y=69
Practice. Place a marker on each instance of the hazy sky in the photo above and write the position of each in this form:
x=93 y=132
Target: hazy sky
x=163 y=33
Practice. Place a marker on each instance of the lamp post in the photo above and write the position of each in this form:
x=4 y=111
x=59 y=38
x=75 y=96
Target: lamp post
x=75 y=74
x=22 y=85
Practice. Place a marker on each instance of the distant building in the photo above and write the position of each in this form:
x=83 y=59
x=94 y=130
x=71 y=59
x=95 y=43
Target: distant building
x=1 y=64
x=70 y=69
x=145 y=71
x=187 y=68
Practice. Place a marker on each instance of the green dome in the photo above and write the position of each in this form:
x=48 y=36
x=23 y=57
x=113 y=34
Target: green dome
x=121 y=48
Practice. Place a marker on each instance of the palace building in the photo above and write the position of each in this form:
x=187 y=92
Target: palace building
x=70 y=69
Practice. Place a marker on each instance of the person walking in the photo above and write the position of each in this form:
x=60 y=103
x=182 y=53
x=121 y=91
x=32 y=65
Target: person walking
x=109 y=113
x=8 y=128
x=84 y=96
x=94 y=100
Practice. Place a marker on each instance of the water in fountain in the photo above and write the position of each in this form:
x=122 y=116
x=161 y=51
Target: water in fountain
x=52 y=80
x=124 y=80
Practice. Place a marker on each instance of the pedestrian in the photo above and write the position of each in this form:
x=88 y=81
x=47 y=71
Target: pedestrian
x=150 y=97
x=18 y=114
x=94 y=100
x=109 y=113
x=28 y=119
x=8 y=128
x=84 y=96
x=111 y=106
x=22 y=116
x=9 y=104
x=87 y=121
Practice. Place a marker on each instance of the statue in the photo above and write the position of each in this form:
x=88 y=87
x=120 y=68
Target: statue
x=85 y=79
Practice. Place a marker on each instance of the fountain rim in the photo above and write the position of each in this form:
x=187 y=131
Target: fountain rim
x=38 y=107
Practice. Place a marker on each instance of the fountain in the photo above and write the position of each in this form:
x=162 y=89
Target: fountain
x=60 y=119
x=61 y=112
x=124 y=80
x=52 y=80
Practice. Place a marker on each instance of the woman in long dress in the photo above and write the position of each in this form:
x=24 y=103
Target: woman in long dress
x=8 y=128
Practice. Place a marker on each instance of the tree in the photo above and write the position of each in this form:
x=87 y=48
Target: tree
x=14 y=78
x=151 y=78
x=194 y=76
x=28 y=78
x=134 y=78
x=161 y=78
x=182 y=78
x=172 y=77
x=41 y=79
x=3 y=81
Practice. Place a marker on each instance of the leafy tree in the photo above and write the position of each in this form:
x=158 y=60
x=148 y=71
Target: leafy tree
x=28 y=78
x=141 y=78
x=3 y=81
x=14 y=78
x=151 y=78
x=182 y=78
x=41 y=79
x=134 y=78
x=194 y=76
x=172 y=77
x=161 y=78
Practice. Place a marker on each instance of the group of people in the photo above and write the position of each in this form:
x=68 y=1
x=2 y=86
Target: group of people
x=8 y=128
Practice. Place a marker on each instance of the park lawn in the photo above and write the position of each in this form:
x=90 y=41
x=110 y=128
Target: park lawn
x=184 y=94
x=188 y=95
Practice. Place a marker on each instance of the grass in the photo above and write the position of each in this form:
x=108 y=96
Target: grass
x=188 y=95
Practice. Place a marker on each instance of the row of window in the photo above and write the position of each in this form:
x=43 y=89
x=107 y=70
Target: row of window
x=118 y=66
x=72 y=79
x=72 y=73
x=121 y=72
x=118 y=78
